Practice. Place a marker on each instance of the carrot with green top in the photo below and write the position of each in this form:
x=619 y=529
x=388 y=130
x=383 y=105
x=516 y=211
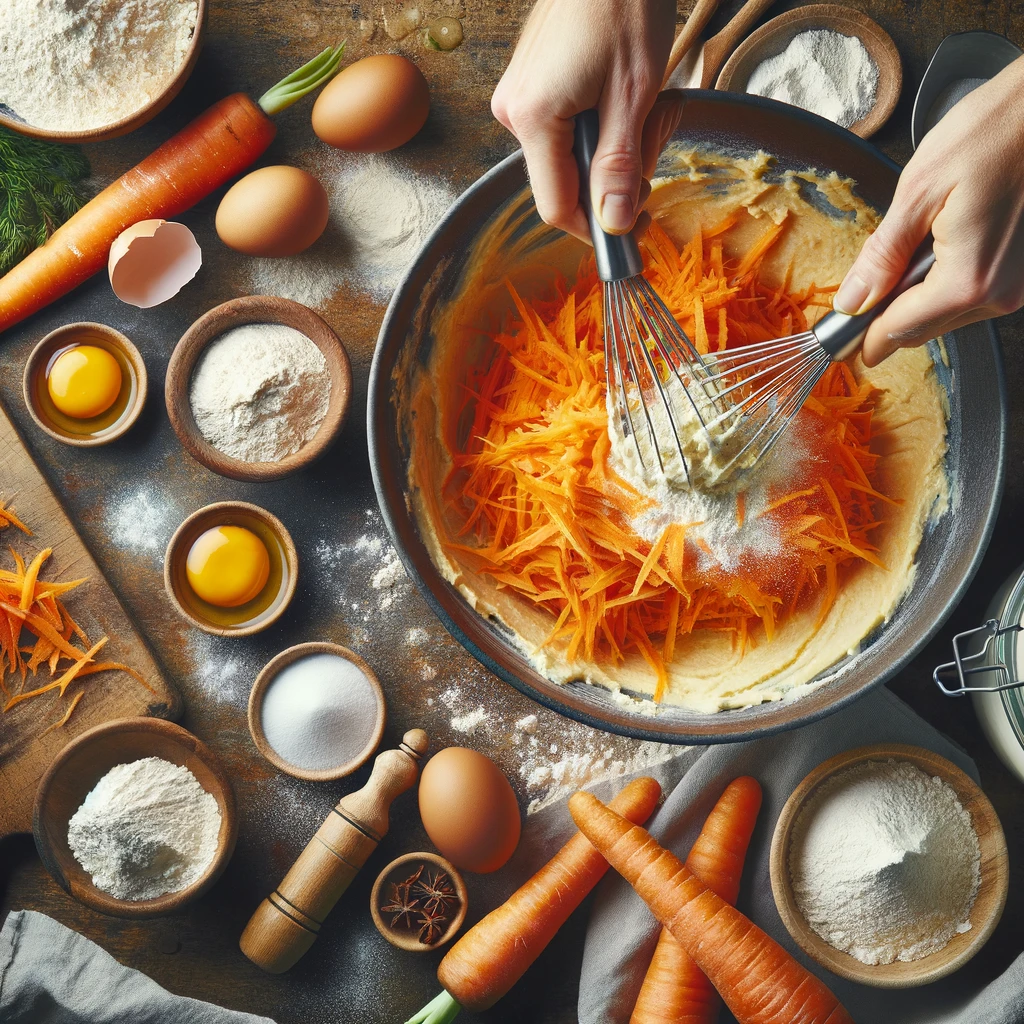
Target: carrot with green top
x=219 y=144
x=496 y=952
x=675 y=989
x=758 y=980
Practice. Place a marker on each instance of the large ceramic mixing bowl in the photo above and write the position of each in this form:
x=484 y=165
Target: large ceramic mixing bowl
x=948 y=555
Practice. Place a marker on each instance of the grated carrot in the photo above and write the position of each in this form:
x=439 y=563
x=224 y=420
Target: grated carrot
x=541 y=512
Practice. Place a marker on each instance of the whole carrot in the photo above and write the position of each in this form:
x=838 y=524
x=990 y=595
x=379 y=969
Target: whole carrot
x=496 y=952
x=675 y=989
x=220 y=143
x=758 y=980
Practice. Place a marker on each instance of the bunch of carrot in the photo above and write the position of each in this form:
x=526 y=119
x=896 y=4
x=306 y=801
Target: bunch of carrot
x=543 y=514
x=757 y=979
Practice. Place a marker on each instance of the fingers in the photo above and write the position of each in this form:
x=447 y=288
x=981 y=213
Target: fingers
x=617 y=169
x=554 y=176
x=921 y=313
x=887 y=252
x=661 y=122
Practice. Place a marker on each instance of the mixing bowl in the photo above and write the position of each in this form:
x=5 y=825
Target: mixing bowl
x=951 y=548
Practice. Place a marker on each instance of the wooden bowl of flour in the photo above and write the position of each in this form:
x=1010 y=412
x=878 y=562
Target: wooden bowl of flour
x=988 y=904
x=133 y=120
x=77 y=769
x=255 y=309
x=774 y=36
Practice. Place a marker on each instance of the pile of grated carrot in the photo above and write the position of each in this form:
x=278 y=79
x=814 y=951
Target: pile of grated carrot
x=34 y=606
x=531 y=486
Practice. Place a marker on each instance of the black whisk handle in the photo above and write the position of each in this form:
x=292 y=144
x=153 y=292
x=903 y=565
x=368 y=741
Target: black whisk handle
x=618 y=256
x=840 y=335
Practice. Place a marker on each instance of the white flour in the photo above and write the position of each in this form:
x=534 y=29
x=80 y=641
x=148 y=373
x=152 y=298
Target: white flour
x=147 y=828
x=260 y=392
x=885 y=863
x=713 y=515
x=381 y=214
x=367 y=573
x=822 y=71
x=76 y=65
x=143 y=521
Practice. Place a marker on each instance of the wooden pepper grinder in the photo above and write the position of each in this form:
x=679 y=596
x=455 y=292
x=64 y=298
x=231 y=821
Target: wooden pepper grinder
x=287 y=922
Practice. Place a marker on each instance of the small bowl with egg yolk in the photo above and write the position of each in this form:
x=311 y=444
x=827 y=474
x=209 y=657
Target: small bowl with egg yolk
x=85 y=384
x=231 y=568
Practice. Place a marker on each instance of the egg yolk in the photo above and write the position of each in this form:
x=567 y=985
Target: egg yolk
x=227 y=566
x=84 y=381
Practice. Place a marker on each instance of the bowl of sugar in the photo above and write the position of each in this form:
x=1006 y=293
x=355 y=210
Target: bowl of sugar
x=889 y=866
x=317 y=711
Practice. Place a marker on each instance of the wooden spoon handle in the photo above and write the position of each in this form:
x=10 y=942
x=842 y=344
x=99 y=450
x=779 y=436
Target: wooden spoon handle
x=718 y=47
x=288 y=921
x=689 y=34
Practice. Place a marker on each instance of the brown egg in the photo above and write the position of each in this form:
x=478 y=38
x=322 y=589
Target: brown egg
x=376 y=104
x=274 y=211
x=469 y=810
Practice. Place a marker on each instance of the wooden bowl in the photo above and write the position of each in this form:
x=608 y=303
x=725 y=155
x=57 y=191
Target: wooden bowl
x=222 y=513
x=35 y=368
x=140 y=116
x=400 y=867
x=774 y=36
x=259 y=690
x=255 y=309
x=77 y=769
x=988 y=906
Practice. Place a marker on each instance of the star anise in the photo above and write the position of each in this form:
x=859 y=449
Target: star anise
x=430 y=926
x=436 y=891
x=414 y=877
x=403 y=905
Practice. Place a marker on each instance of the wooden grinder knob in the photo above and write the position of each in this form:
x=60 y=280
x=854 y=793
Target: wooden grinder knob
x=287 y=922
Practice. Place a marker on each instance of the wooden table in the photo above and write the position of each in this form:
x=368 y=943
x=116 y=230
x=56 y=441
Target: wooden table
x=128 y=498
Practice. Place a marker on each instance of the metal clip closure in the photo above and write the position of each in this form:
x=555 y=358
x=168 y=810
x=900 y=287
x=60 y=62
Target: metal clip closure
x=965 y=665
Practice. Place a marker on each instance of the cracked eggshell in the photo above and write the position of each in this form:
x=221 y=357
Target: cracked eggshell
x=152 y=261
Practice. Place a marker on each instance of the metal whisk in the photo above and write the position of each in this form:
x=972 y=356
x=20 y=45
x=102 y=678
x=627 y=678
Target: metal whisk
x=661 y=388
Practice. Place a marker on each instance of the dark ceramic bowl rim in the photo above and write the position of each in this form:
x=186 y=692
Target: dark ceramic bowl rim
x=379 y=395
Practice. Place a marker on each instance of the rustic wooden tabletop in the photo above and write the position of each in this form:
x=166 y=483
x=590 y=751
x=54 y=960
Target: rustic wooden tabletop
x=128 y=498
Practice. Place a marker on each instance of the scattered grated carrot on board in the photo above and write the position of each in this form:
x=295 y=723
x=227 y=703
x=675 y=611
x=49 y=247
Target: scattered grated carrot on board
x=530 y=485
x=33 y=606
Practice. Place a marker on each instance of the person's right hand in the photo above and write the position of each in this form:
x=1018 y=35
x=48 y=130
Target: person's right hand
x=572 y=56
x=965 y=184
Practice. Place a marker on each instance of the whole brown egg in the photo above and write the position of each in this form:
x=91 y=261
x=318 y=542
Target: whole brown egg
x=274 y=211
x=376 y=104
x=468 y=809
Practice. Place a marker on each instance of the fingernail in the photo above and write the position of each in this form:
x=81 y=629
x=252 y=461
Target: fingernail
x=616 y=214
x=852 y=295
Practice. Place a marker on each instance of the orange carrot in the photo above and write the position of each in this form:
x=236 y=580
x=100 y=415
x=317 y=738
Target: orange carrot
x=675 y=989
x=205 y=154
x=758 y=980
x=496 y=952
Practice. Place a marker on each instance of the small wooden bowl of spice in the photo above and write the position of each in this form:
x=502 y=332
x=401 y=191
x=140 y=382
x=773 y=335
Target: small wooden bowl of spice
x=317 y=712
x=827 y=58
x=85 y=384
x=419 y=902
x=231 y=568
x=895 y=854
x=135 y=818
x=258 y=388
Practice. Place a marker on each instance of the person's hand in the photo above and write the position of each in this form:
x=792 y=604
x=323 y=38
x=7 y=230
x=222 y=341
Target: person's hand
x=608 y=54
x=965 y=184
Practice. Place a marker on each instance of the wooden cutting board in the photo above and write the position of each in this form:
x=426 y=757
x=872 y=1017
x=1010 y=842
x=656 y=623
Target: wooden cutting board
x=24 y=753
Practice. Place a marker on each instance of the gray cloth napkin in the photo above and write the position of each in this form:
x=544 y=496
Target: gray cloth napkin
x=622 y=932
x=52 y=975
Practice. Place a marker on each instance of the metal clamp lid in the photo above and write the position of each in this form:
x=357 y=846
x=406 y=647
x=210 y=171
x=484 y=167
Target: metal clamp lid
x=964 y=665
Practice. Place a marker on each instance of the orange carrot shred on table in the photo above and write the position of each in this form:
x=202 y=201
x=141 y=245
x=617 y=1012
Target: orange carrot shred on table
x=675 y=990
x=757 y=979
x=496 y=952
x=63 y=720
x=8 y=518
x=540 y=510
